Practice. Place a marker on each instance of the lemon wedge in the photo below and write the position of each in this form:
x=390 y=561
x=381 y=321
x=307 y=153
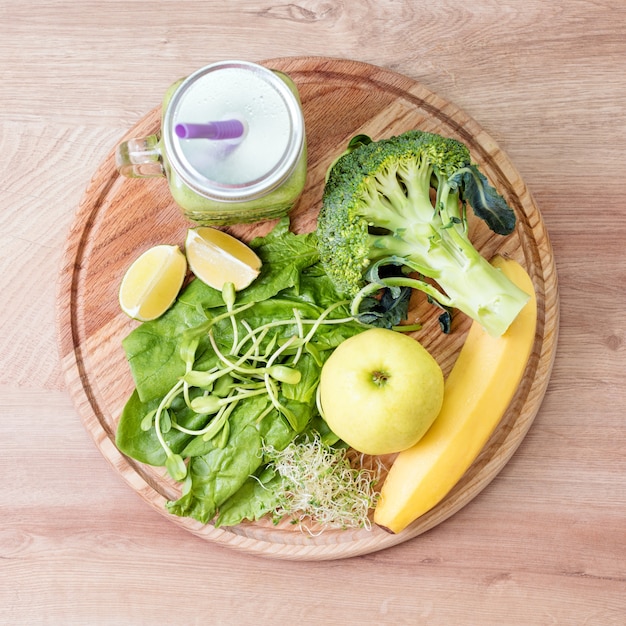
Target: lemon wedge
x=152 y=282
x=216 y=258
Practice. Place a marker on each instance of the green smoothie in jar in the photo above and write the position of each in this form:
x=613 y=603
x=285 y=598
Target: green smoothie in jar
x=232 y=144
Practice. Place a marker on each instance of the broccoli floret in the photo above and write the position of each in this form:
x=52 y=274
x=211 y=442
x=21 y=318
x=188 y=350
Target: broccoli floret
x=401 y=202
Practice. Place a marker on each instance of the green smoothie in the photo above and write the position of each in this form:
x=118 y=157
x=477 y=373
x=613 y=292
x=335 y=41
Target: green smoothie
x=256 y=176
x=275 y=203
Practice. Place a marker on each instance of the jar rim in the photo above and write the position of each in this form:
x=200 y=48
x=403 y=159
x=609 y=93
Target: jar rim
x=248 y=190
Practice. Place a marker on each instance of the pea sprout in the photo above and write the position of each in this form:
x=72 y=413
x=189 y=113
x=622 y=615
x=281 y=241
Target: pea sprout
x=259 y=361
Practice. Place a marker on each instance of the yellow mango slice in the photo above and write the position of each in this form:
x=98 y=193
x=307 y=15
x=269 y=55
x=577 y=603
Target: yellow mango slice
x=477 y=393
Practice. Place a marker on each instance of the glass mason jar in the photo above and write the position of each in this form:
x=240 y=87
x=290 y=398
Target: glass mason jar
x=232 y=144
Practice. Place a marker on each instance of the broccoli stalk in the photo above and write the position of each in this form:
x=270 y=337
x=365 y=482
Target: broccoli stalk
x=402 y=202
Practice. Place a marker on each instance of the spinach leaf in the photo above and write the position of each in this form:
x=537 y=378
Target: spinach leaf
x=219 y=472
x=152 y=348
x=284 y=255
x=143 y=445
x=256 y=497
x=304 y=390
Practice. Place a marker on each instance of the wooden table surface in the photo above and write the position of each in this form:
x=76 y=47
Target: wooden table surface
x=544 y=543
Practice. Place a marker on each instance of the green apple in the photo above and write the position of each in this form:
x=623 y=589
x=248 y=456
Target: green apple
x=380 y=391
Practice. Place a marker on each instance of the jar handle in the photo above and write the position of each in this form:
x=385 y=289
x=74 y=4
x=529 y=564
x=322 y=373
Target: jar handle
x=140 y=158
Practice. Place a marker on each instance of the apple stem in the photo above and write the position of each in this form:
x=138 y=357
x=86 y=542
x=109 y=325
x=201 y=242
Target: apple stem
x=380 y=378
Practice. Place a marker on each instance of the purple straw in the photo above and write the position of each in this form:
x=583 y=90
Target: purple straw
x=223 y=129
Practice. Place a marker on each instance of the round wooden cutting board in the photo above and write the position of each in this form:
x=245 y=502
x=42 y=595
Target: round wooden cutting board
x=119 y=218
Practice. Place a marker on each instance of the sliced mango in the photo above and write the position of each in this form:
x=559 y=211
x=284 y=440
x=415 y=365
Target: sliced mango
x=477 y=392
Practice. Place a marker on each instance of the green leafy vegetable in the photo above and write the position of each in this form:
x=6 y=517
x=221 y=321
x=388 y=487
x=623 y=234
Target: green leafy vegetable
x=222 y=375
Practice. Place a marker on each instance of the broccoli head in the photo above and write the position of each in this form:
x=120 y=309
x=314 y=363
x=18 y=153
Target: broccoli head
x=401 y=203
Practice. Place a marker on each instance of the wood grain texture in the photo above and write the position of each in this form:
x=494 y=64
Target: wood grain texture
x=543 y=544
x=120 y=218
